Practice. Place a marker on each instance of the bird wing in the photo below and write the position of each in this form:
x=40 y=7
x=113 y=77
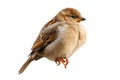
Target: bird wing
x=45 y=37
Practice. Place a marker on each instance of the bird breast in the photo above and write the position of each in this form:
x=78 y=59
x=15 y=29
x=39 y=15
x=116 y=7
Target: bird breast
x=66 y=42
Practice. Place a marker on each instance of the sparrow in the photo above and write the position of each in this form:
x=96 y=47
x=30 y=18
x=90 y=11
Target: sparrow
x=59 y=38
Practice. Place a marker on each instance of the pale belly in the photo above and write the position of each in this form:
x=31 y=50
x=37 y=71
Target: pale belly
x=63 y=46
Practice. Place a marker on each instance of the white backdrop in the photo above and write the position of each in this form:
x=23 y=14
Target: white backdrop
x=98 y=59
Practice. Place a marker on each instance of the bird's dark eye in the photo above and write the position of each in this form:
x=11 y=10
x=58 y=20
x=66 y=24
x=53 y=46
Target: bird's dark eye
x=73 y=16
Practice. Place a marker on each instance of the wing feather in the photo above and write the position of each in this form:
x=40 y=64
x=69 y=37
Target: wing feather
x=45 y=38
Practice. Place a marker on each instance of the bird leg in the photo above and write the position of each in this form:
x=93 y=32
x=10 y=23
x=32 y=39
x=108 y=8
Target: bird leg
x=64 y=61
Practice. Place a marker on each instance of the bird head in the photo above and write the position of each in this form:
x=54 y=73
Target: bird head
x=69 y=14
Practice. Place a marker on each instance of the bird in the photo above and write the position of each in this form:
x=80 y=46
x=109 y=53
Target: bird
x=59 y=38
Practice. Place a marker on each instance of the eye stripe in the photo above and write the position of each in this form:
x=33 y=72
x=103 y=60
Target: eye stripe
x=73 y=16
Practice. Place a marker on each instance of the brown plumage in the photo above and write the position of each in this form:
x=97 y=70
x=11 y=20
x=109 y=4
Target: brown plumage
x=59 y=38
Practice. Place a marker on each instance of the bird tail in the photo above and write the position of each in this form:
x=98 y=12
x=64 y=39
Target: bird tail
x=29 y=60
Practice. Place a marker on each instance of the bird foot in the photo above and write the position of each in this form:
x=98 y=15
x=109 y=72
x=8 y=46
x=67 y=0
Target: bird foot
x=64 y=61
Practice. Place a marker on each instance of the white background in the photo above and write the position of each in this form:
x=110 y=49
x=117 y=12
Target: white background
x=98 y=59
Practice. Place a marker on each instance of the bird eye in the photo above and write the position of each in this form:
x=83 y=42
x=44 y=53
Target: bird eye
x=73 y=16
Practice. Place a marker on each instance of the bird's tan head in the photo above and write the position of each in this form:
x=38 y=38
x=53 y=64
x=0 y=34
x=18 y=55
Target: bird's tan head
x=69 y=14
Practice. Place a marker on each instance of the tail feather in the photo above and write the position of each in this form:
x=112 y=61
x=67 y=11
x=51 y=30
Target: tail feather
x=29 y=60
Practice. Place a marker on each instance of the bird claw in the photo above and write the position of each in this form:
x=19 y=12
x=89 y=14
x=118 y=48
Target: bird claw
x=64 y=61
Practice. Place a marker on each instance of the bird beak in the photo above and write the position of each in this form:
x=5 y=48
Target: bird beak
x=80 y=19
x=83 y=19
